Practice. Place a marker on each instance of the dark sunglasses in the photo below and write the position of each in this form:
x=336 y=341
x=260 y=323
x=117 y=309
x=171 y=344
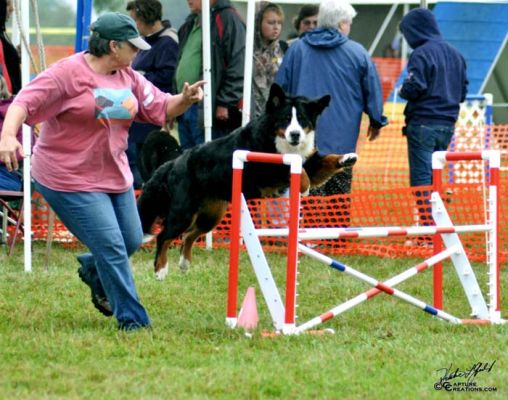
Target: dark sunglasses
x=309 y=22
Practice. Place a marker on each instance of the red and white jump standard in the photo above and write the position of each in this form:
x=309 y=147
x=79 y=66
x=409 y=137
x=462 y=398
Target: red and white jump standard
x=284 y=316
x=284 y=319
x=493 y=157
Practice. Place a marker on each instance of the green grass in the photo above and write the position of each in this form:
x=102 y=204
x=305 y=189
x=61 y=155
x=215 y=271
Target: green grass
x=55 y=345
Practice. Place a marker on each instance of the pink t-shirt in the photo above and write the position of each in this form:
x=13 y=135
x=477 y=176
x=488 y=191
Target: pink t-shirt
x=86 y=117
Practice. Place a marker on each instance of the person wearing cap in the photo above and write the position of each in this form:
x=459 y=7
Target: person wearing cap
x=87 y=103
x=157 y=65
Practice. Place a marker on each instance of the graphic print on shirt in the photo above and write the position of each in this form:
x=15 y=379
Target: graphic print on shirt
x=114 y=106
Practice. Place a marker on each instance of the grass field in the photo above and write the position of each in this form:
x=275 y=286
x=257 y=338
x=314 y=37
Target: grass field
x=55 y=345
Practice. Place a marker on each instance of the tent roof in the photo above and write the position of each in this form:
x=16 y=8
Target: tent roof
x=478 y=31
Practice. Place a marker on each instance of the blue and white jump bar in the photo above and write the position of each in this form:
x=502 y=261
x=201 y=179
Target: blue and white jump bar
x=386 y=287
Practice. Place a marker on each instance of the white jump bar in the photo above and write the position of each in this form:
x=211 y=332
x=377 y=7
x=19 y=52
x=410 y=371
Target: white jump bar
x=335 y=233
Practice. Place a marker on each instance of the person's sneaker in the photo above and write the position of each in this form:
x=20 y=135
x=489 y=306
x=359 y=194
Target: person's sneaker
x=132 y=326
x=99 y=299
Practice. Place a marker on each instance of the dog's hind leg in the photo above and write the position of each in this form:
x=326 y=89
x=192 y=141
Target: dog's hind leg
x=189 y=238
x=161 y=257
x=208 y=217
x=173 y=228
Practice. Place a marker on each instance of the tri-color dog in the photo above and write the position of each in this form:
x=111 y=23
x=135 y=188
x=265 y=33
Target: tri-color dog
x=191 y=193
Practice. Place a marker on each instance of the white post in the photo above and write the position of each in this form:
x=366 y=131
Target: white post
x=207 y=69
x=460 y=261
x=25 y=78
x=494 y=158
x=249 y=55
x=207 y=89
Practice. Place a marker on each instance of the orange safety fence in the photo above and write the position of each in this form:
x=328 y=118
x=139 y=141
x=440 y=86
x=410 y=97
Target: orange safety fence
x=380 y=197
x=389 y=70
x=53 y=53
x=380 y=193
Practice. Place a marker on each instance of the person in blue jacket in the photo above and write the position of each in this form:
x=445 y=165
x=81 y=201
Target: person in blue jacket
x=435 y=86
x=157 y=65
x=326 y=61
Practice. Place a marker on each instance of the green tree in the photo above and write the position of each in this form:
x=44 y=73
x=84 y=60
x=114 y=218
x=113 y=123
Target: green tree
x=109 y=5
x=55 y=13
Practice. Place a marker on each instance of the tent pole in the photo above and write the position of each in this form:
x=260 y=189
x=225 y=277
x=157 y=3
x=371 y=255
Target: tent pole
x=207 y=89
x=249 y=55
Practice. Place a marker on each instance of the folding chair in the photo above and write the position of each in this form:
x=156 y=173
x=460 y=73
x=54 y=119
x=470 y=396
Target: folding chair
x=11 y=216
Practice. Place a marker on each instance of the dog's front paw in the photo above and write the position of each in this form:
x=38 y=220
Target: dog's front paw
x=161 y=274
x=184 y=264
x=348 y=160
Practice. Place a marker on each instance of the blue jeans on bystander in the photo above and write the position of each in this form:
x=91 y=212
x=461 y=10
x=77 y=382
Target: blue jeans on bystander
x=190 y=132
x=422 y=141
x=10 y=180
x=109 y=225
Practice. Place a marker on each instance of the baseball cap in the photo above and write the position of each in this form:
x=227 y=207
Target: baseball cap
x=120 y=27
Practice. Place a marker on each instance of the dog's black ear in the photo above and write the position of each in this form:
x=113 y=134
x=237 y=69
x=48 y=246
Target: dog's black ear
x=322 y=103
x=275 y=99
x=317 y=106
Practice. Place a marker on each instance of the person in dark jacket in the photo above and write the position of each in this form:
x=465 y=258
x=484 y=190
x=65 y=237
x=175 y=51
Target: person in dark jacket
x=325 y=61
x=157 y=65
x=434 y=88
x=11 y=56
x=9 y=180
x=227 y=37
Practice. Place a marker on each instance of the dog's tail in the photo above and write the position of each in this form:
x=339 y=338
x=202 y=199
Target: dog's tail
x=158 y=148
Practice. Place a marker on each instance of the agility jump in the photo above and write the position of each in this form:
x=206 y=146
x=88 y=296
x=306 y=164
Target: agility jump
x=283 y=314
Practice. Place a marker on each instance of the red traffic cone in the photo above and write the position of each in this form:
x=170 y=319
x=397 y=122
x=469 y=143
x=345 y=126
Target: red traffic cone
x=248 y=316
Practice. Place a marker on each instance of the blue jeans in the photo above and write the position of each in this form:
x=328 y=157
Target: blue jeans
x=190 y=131
x=422 y=141
x=10 y=180
x=109 y=225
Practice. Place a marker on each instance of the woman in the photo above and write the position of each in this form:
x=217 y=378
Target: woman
x=268 y=52
x=87 y=102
